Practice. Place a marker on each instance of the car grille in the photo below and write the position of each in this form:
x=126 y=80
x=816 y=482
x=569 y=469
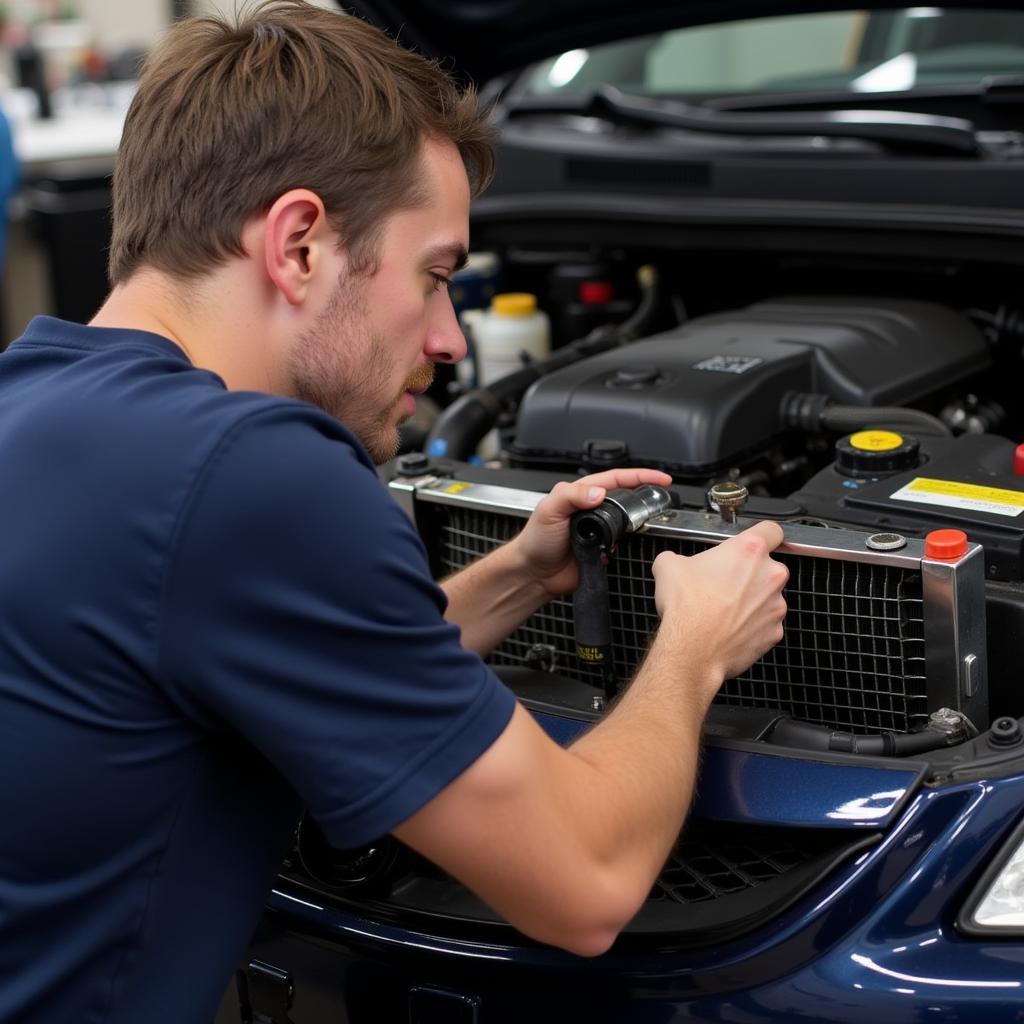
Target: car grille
x=719 y=881
x=707 y=868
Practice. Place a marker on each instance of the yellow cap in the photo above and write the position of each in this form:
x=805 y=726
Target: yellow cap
x=514 y=304
x=876 y=440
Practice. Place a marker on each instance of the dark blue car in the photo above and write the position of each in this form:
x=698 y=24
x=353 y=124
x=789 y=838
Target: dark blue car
x=781 y=250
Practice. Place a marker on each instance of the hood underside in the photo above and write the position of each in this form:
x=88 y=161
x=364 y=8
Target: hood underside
x=483 y=39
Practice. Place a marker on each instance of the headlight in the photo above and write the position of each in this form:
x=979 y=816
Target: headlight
x=996 y=907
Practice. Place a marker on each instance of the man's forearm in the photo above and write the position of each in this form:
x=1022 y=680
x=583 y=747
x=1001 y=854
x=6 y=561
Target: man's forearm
x=662 y=712
x=491 y=597
x=602 y=816
x=649 y=745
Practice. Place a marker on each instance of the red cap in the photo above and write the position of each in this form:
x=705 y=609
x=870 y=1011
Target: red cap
x=1018 y=460
x=594 y=293
x=945 y=544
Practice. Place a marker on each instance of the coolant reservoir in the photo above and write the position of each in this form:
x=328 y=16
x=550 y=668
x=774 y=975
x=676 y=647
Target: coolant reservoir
x=512 y=333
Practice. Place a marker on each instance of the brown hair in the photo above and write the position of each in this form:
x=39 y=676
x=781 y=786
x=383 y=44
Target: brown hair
x=227 y=118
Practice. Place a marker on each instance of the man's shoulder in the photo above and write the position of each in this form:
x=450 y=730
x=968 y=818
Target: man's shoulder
x=263 y=443
x=128 y=407
x=127 y=387
x=285 y=434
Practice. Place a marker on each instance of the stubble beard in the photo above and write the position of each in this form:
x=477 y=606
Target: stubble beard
x=343 y=366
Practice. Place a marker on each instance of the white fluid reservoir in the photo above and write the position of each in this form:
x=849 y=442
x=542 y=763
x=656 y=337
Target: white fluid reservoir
x=508 y=336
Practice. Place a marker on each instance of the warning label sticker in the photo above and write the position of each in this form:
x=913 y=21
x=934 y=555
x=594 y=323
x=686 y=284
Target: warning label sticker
x=954 y=494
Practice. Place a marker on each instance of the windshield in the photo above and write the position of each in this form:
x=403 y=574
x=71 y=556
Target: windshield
x=855 y=51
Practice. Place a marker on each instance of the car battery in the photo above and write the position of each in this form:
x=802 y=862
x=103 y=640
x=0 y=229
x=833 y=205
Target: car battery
x=910 y=484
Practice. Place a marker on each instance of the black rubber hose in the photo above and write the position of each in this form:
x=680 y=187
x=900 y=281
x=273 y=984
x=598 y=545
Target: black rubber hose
x=842 y=419
x=642 y=319
x=460 y=427
x=813 y=413
x=790 y=732
x=458 y=430
x=594 y=534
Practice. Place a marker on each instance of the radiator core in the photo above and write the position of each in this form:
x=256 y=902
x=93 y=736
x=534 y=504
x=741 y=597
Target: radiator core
x=872 y=642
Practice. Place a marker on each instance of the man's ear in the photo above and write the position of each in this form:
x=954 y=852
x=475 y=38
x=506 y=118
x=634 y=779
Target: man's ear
x=296 y=240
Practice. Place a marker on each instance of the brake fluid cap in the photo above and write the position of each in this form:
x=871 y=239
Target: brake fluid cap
x=946 y=545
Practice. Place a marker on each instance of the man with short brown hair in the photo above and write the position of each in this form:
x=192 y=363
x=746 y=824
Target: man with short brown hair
x=227 y=119
x=212 y=611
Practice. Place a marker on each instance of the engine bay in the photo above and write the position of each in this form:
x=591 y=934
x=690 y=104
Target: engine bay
x=860 y=412
x=864 y=421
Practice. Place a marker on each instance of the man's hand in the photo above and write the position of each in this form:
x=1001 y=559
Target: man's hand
x=543 y=545
x=724 y=605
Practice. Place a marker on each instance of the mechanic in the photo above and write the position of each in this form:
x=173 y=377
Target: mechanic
x=212 y=611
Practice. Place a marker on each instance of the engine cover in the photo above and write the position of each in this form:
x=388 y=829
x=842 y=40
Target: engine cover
x=708 y=394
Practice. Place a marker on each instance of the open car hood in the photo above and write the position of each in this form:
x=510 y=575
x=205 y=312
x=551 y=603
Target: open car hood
x=486 y=38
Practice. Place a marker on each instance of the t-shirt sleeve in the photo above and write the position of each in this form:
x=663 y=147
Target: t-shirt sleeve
x=298 y=610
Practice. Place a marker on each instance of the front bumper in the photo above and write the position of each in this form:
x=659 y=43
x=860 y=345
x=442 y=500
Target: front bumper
x=875 y=940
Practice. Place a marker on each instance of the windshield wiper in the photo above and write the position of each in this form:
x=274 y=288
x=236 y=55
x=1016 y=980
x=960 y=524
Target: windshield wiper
x=953 y=135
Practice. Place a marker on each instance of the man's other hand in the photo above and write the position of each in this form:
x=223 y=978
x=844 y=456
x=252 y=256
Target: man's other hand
x=724 y=605
x=544 y=542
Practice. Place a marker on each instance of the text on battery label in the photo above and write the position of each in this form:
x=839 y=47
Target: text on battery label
x=956 y=494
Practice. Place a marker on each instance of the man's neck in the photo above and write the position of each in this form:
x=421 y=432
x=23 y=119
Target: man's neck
x=145 y=303
x=213 y=335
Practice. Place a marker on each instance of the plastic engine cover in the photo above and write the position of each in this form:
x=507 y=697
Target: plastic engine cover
x=708 y=393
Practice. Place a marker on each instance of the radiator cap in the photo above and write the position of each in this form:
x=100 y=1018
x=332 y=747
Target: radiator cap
x=947 y=545
x=876 y=453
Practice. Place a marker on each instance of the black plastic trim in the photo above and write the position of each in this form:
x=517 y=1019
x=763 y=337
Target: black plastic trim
x=423 y=900
x=749 y=212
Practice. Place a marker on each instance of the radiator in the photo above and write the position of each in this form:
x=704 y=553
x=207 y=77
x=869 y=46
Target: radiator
x=874 y=640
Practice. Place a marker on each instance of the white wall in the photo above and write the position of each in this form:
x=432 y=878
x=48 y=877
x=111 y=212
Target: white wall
x=115 y=24
x=226 y=7
x=119 y=24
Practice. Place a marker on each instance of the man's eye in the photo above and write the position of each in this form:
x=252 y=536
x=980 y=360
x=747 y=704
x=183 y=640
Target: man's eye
x=441 y=282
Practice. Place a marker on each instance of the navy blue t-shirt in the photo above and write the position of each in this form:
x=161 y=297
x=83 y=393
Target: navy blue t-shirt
x=211 y=612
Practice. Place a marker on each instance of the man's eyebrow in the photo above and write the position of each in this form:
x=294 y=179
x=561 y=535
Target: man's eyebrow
x=454 y=253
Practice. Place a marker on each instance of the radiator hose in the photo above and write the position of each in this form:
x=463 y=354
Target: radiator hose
x=814 y=413
x=790 y=732
x=594 y=534
x=460 y=428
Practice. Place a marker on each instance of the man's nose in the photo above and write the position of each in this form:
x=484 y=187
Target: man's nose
x=445 y=341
